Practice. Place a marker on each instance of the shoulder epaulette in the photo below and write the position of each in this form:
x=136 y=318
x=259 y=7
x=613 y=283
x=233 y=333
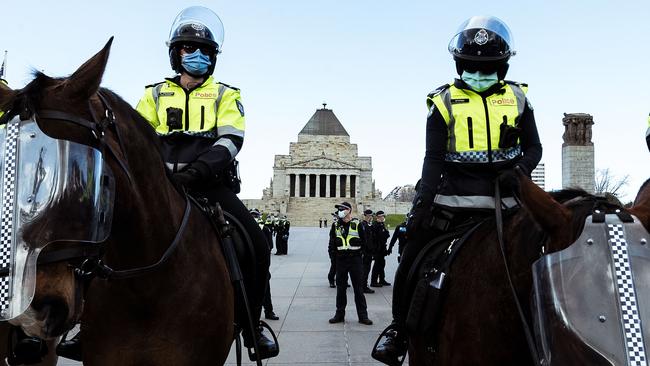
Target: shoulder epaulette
x=438 y=90
x=228 y=86
x=154 y=84
x=522 y=85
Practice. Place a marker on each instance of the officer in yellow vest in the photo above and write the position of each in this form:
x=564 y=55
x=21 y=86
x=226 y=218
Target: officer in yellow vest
x=201 y=126
x=480 y=129
x=347 y=243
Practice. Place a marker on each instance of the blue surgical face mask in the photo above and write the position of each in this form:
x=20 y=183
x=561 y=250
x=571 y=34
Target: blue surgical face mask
x=196 y=63
x=479 y=81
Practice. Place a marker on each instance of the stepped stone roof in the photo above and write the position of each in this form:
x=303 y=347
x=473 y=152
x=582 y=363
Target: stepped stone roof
x=324 y=122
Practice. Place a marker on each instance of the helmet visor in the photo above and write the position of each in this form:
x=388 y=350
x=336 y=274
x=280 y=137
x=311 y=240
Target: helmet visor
x=197 y=24
x=482 y=38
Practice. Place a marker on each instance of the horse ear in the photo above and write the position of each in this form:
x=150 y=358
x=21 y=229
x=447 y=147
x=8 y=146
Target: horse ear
x=641 y=207
x=86 y=80
x=7 y=96
x=551 y=216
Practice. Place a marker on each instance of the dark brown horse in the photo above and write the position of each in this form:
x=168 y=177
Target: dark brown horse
x=179 y=314
x=479 y=323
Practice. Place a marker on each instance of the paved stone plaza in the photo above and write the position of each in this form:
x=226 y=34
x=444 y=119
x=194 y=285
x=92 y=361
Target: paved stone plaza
x=303 y=300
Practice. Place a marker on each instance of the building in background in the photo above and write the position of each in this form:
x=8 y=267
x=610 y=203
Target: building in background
x=539 y=176
x=323 y=168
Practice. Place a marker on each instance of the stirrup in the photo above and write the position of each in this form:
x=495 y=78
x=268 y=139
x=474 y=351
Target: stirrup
x=384 y=334
x=23 y=349
x=264 y=325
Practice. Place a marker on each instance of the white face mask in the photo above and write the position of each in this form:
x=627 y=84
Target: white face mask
x=343 y=213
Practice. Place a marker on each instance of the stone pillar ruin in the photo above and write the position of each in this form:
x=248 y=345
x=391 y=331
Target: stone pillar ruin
x=578 y=152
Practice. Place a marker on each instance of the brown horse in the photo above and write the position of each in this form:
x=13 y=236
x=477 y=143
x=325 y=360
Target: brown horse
x=479 y=323
x=181 y=313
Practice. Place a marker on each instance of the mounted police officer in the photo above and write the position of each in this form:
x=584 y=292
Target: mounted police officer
x=201 y=126
x=347 y=242
x=480 y=129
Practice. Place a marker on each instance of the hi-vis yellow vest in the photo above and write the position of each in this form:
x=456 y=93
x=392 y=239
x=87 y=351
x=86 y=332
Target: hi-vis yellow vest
x=474 y=122
x=211 y=110
x=352 y=241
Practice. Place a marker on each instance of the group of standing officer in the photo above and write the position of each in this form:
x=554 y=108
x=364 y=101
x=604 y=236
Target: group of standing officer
x=277 y=226
x=353 y=246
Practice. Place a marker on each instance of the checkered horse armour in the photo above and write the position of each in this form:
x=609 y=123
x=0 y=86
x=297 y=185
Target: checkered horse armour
x=630 y=317
x=7 y=218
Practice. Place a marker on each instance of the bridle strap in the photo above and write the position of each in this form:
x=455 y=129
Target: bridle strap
x=97 y=128
x=106 y=272
x=499 y=222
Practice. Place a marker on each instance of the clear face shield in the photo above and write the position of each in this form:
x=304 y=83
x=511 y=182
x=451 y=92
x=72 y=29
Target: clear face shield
x=595 y=293
x=205 y=23
x=53 y=191
x=482 y=38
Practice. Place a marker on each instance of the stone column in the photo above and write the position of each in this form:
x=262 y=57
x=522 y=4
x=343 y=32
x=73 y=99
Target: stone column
x=307 y=184
x=347 y=186
x=317 y=193
x=327 y=185
x=578 y=152
x=336 y=185
x=287 y=185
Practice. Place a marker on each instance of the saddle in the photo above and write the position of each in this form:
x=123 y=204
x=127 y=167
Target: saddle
x=429 y=275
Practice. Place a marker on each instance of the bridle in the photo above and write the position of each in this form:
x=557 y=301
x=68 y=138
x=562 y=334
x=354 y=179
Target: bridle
x=89 y=256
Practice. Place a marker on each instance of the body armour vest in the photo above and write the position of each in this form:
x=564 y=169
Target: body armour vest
x=352 y=241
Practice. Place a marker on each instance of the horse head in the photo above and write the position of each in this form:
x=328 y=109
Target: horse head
x=69 y=171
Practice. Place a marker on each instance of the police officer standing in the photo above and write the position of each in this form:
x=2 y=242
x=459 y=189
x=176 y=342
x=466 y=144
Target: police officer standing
x=282 y=236
x=368 y=250
x=399 y=235
x=347 y=241
x=380 y=235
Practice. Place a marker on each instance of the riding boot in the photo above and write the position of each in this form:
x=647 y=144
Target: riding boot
x=392 y=345
x=71 y=348
x=266 y=347
x=26 y=350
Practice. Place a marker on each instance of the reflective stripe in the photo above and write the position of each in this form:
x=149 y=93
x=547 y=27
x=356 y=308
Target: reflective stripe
x=228 y=144
x=156 y=94
x=179 y=166
x=521 y=98
x=482 y=156
x=352 y=233
x=230 y=130
x=446 y=99
x=220 y=92
x=473 y=201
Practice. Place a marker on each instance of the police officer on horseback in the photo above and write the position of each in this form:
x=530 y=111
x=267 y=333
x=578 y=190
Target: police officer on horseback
x=480 y=128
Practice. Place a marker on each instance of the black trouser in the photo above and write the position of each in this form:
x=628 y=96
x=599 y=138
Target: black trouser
x=352 y=264
x=403 y=290
x=281 y=244
x=332 y=273
x=367 y=263
x=255 y=279
x=378 y=270
x=267 y=303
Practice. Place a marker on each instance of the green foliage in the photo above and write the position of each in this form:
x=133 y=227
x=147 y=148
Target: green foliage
x=393 y=220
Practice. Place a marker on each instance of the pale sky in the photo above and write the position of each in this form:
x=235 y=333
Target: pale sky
x=373 y=62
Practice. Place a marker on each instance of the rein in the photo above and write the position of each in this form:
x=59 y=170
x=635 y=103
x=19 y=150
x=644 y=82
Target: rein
x=527 y=329
x=92 y=266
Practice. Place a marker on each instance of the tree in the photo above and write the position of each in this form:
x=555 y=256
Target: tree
x=608 y=184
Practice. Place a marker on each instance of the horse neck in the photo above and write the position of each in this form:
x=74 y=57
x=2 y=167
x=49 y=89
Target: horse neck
x=148 y=210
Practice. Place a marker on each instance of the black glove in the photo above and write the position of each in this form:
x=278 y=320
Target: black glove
x=509 y=178
x=193 y=176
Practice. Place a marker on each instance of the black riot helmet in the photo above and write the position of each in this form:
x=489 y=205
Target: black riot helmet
x=199 y=27
x=482 y=43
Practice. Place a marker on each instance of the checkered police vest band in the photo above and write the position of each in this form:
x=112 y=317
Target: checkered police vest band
x=8 y=198
x=625 y=289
